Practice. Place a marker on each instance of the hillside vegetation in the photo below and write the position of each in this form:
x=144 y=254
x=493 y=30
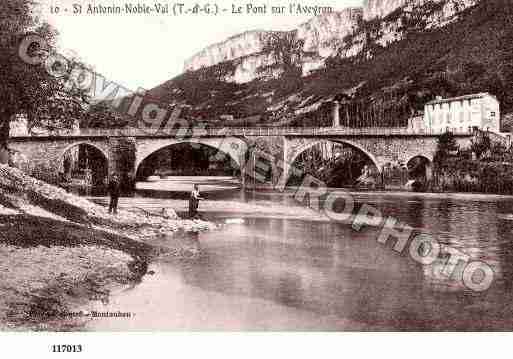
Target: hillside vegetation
x=472 y=54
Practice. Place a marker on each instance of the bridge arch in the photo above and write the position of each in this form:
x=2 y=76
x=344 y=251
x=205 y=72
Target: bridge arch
x=307 y=146
x=294 y=155
x=428 y=158
x=89 y=162
x=233 y=147
x=423 y=163
x=75 y=144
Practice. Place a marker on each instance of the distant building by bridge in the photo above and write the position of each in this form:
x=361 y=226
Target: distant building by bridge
x=477 y=111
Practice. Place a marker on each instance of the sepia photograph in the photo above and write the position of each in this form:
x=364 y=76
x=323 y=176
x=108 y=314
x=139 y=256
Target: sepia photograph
x=255 y=167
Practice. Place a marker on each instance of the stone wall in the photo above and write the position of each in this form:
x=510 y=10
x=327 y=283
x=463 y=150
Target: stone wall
x=122 y=157
x=267 y=153
x=45 y=157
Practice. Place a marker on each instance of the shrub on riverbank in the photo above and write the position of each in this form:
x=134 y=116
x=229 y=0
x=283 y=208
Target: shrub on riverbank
x=477 y=176
x=485 y=166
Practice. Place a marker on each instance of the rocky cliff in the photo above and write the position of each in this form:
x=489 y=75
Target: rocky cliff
x=322 y=36
x=324 y=33
x=239 y=46
x=385 y=24
x=341 y=34
x=373 y=9
x=380 y=8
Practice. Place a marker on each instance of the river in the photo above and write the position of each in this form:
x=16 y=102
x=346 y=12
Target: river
x=274 y=265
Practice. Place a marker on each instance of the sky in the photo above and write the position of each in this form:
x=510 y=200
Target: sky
x=143 y=51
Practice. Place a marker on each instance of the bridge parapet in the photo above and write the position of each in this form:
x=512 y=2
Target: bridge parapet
x=244 y=132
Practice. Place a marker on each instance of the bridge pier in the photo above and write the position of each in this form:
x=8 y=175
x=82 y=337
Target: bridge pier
x=122 y=156
x=265 y=156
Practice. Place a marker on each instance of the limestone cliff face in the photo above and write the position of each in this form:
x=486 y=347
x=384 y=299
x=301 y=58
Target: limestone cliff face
x=246 y=68
x=446 y=12
x=239 y=46
x=333 y=34
x=393 y=26
x=322 y=36
x=380 y=8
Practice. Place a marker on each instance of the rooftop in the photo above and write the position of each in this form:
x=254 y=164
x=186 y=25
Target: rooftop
x=461 y=98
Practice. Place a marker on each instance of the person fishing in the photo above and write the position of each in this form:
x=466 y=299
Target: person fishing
x=194 y=201
x=114 y=190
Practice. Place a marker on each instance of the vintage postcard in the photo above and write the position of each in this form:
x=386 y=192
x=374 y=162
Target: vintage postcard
x=266 y=166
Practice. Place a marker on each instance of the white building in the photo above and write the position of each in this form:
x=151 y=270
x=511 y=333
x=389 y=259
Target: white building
x=464 y=113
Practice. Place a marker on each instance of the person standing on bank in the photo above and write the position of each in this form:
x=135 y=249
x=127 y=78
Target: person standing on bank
x=194 y=201
x=114 y=194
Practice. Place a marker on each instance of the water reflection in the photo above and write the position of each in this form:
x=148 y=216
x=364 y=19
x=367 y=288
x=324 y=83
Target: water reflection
x=291 y=274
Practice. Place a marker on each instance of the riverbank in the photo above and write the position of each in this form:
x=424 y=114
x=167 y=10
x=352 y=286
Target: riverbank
x=59 y=251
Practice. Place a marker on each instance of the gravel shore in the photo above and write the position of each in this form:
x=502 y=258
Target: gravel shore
x=59 y=251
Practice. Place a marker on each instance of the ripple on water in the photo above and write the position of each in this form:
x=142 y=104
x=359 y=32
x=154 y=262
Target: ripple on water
x=281 y=269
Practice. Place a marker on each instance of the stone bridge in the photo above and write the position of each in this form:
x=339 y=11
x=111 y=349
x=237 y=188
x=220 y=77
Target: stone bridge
x=246 y=147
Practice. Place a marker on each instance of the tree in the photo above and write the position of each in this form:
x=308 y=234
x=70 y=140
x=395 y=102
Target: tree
x=287 y=51
x=481 y=144
x=101 y=115
x=30 y=89
x=446 y=146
